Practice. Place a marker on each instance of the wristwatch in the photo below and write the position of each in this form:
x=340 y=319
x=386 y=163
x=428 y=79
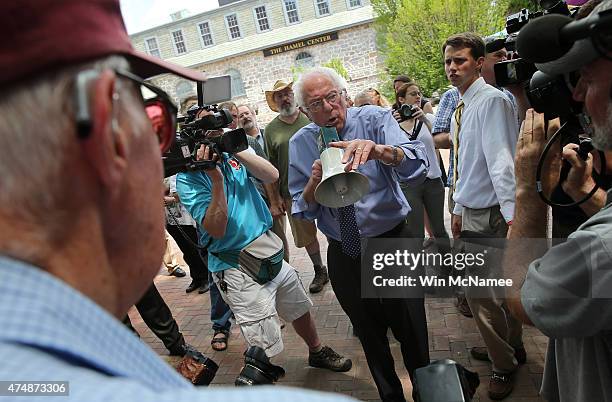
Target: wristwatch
x=395 y=161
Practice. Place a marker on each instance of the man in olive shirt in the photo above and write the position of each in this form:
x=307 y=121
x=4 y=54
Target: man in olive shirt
x=278 y=132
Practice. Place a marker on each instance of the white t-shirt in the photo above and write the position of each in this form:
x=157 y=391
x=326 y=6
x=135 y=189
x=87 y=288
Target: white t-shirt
x=426 y=138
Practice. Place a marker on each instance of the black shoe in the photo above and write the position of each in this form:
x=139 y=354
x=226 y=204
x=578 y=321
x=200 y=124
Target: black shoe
x=204 y=287
x=178 y=272
x=194 y=285
x=179 y=350
x=327 y=358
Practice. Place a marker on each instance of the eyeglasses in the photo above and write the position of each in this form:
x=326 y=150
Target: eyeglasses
x=332 y=98
x=158 y=106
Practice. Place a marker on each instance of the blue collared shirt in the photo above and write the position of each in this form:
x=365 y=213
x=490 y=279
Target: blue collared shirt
x=385 y=206
x=49 y=331
x=442 y=123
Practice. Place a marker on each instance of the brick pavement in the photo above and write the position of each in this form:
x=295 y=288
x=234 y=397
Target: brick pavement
x=450 y=336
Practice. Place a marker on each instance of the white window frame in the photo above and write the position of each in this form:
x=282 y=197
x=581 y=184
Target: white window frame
x=348 y=4
x=174 y=42
x=316 y=7
x=297 y=9
x=212 y=37
x=146 y=43
x=227 y=27
x=267 y=18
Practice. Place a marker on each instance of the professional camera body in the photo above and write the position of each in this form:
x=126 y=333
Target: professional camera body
x=195 y=132
x=406 y=111
x=258 y=370
x=518 y=70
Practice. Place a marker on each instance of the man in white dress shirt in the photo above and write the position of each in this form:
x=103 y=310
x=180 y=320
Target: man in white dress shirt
x=484 y=132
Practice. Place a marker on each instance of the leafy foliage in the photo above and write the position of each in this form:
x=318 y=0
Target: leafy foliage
x=336 y=64
x=411 y=34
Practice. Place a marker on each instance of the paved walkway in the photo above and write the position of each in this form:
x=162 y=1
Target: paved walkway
x=450 y=336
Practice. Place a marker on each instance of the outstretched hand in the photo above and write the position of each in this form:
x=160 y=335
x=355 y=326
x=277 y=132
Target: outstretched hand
x=356 y=152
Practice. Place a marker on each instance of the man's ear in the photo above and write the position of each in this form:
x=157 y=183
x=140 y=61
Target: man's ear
x=480 y=62
x=106 y=147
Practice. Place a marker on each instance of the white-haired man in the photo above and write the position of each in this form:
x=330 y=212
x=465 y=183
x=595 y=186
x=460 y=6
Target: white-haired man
x=81 y=196
x=374 y=143
x=567 y=291
x=278 y=133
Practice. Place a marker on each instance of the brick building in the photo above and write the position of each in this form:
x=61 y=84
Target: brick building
x=257 y=42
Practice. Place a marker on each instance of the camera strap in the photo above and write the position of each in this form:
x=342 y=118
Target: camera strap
x=415 y=131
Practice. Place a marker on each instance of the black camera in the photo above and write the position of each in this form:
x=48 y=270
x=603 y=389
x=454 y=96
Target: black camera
x=193 y=133
x=515 y=71
x=515 y=22
x=406 y=111
x=258 y=370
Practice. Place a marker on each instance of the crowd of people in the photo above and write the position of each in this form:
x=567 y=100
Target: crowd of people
x=82 y=196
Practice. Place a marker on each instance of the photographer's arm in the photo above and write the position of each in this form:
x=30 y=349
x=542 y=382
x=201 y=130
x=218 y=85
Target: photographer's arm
x=215 y=220
x=530 y=216
x=258 y=166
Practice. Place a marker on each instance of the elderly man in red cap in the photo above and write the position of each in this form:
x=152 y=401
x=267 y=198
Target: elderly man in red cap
x=278 y=133
x=81 y=188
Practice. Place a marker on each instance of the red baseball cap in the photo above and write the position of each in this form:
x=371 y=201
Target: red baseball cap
x=42 y=35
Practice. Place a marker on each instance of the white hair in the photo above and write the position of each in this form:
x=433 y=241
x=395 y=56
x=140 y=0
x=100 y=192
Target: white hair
x=331 y=74
x=39 y=142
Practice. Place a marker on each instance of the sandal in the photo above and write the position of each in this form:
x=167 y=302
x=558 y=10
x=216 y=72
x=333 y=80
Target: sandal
x=219 y=343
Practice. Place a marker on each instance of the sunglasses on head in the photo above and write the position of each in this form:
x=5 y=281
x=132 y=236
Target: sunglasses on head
x=158 y=106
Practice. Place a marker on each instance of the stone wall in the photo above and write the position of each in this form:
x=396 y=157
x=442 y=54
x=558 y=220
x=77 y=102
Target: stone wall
x=356 y=47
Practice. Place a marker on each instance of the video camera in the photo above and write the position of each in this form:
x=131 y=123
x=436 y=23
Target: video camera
x=195 y=131
x=519 y=70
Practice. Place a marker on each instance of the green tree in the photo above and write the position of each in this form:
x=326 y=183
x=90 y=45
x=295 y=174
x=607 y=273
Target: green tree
x=336 y=64
x=412 y=33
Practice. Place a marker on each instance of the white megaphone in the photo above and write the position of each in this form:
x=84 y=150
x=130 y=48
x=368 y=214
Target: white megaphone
x=338 y=188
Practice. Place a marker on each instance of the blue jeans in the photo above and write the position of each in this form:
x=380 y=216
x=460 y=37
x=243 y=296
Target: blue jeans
x=220 y=313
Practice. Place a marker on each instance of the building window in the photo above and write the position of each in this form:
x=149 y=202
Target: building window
x=236 y=82
x=152 y=47
x=304 y=60
x=322 y=7
x=205 y=34
x=354 y=3
x=179 y=42
x=233 y=30
x=261 y=19
x=291 y=11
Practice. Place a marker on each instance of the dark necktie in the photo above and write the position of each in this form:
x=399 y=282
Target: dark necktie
x=349 y=232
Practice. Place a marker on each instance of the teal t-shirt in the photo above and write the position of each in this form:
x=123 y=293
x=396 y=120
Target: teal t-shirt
x=248 y=216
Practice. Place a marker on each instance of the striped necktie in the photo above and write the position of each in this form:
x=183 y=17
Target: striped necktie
x=457 y=127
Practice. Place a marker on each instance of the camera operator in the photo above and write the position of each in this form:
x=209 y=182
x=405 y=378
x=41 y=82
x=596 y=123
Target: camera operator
x=236 y=221
x=428 y=196
x=566 y=291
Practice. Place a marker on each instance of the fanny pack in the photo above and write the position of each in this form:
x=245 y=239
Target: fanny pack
x=262 y=259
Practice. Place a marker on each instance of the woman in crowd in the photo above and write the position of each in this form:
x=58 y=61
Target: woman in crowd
x=428 y=196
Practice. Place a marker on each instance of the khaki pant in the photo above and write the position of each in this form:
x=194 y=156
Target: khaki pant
x=501 y=332
x=173 y=256
x=304 y=231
